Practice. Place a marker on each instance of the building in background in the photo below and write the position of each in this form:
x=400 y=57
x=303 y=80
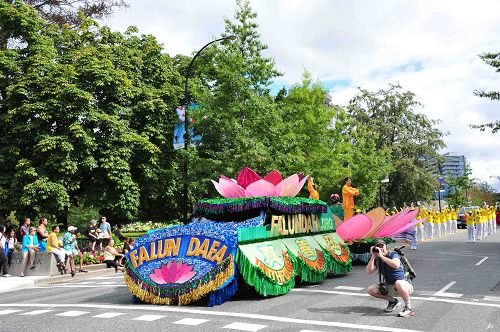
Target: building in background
x=454 y=165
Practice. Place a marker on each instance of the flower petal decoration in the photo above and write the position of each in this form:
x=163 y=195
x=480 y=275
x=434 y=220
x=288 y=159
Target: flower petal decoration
x=172 y=273
x=247 y=176
x=260 y=188
x=274 y=177
x=250 y=184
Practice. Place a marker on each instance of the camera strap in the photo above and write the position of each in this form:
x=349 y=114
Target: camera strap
x=380 y=278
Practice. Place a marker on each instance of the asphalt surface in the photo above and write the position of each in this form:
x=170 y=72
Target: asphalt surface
x=457 y=289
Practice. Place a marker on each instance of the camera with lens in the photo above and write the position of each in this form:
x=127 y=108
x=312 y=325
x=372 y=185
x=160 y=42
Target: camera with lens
x=383 y=289
x=375 y=250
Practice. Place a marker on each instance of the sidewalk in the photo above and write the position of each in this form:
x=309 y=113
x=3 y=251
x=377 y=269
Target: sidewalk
x=15 y=282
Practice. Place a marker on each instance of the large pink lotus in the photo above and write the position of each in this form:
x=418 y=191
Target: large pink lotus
x=250 y=184
x=172 y=273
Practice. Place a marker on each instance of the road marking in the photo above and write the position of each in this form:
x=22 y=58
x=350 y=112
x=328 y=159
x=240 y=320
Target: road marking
x=109 y=315
x=107 y=283
x=36 y=312
x=244 y=327
x=445 y=288
x=191 y=321
x=72 y=313
x=149 y=318
x=481 y=261
x=7 y=312
x=491 y=298
x=288 y=320
x=104 y=278
x=349 y=288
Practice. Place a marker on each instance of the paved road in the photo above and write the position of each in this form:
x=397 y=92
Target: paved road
x=457 y=289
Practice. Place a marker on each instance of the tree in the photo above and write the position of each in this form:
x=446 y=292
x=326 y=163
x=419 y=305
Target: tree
x=482 y=193
x=73 y=12
x=458 y=187
x=83 y=115
x=492 y=59
x=409 y=136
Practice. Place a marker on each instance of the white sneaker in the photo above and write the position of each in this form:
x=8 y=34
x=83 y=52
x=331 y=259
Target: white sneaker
x=406 y=312
x=7 y=275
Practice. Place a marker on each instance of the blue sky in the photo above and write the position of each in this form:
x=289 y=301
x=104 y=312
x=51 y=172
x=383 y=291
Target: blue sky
x=430 y=48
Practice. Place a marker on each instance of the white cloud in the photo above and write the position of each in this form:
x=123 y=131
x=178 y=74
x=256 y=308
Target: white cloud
x=428 y=47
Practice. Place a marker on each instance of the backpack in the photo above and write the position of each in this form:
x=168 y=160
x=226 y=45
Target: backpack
x=409 y=271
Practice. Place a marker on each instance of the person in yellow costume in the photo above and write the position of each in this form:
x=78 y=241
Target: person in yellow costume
x=471 y=229
x=478 y=221
x=348 y=194
x=422 y=213
x=430 y=223
x=454 y=221
x=313 y=193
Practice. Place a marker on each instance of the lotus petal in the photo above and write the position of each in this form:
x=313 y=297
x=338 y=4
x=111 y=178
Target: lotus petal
x=172 y=272
x=260 y=188
x=225 y=177
x=274 y=177
x=290 y=186
x=247 y=176
x=396 y=223
x=232 y=189
x=354 y=228
x=405 y=227
x=377 y=216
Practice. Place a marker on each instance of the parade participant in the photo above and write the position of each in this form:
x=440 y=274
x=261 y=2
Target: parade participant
x=336 y=207
x=311 y=187
x=42 y=234
x=479 y=224
x=420 y=226
x=348 y=194
x=454 y=221
x=391 y=269
x=430 y=224
x=471 y=229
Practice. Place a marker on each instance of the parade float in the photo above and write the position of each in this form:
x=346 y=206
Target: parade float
x=260 y=233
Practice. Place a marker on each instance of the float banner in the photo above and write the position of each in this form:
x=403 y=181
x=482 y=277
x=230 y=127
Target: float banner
x=180 y=264
x=309 y=258
x=267 y=266
x=339 y=258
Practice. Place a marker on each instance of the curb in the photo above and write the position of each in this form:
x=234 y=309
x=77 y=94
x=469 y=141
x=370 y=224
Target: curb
x=78 y=276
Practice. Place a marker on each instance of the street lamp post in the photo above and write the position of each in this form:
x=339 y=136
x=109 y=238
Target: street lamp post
x=187 y=136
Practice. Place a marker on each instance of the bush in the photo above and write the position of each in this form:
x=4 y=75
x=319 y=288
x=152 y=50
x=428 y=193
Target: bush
x=146 y=226
x=91 y=258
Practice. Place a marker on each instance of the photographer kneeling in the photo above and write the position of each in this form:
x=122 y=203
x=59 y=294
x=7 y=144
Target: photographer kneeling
x=392 y=278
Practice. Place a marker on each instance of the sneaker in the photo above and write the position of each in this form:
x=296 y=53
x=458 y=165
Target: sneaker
x=391 y=306
x=7 y=275
x=32 y=267
x=405 y=312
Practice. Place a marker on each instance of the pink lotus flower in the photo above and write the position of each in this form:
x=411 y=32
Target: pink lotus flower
x=172 y=273
x=250 y=184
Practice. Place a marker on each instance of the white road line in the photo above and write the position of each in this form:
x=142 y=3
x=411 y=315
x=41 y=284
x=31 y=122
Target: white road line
x=445 y=288
x=244 y=327
x=191 y=321
x=36 y=312
x=7 y=312
x=443 y=294
x=72 y=313
x=288 y=320
x=481 y=261
x=108 y=283
x=491 y=298
x=109 y=315
x=349 y=288
x=149 y=318
x=104 y=278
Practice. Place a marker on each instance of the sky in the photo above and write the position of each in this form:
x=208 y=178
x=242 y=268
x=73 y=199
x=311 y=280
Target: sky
x=429 y=47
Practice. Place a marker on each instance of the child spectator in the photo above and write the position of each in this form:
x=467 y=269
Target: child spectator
x=24 y=229
x=71 y=246
x=28 y=249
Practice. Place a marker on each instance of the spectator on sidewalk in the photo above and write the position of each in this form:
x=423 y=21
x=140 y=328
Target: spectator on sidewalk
x=105 y=227
x=11 y=243
x=9 y=227
x=24 y=229
x=54 y=247
x=111 y=255
x=119 y=234
x=29 y=249
x=71 y=246
x=128 y=245
x=93 y=236
x=4 y=248
x=42 y=233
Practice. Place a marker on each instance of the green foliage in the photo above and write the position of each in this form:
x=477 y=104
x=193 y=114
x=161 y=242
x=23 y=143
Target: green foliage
x=408 y=136
x=80 y=217
x=482 y=193
x=458 y=188
x=491 y=59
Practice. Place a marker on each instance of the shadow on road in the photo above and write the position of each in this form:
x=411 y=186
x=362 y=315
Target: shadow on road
x=347 y=310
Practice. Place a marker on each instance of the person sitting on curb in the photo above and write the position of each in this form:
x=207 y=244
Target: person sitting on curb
x=42 y=233
x=54 y=247
x=111 y=255
x=392 y=271
x=29 y=248
x=71 y=246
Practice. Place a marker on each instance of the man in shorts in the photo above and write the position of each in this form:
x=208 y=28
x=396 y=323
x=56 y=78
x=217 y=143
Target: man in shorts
x=392 y=272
